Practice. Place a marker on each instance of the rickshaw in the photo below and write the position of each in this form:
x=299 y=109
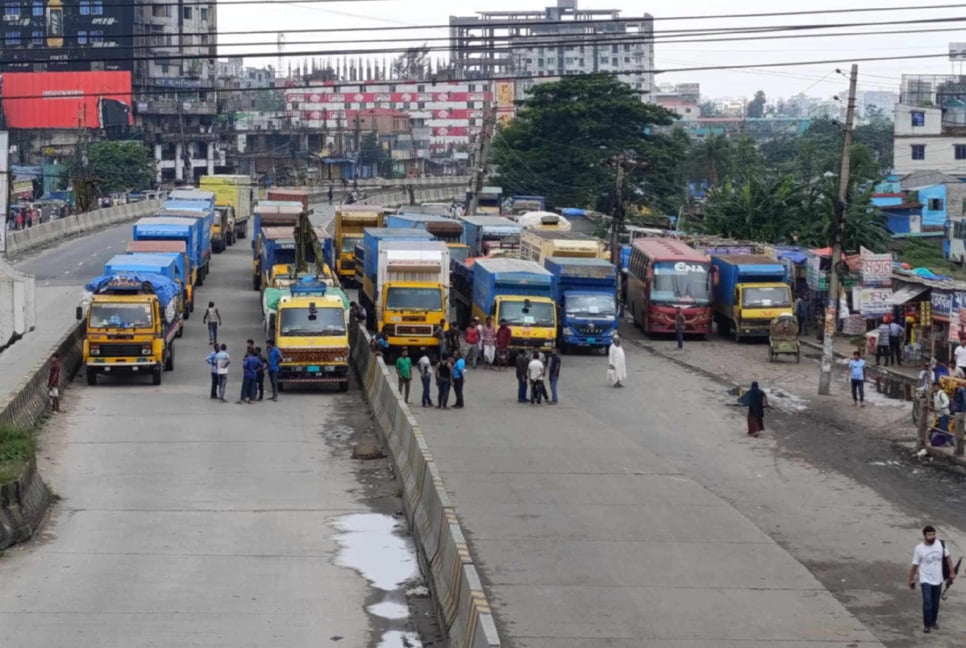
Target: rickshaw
x=783 y=338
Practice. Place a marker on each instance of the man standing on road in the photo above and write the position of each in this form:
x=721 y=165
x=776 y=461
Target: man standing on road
x=404 y=371
x=535 y=372
x=274 y=362
x=928 y=560
x=895 y=342
x=801 y=314
x=425 y=366
x=489 y=342
x=857 y=376
x=616 y=365
x=53 y=383
x=521 y=365
x=213 y=319
x=553 y=371
x=222 y=360
x=250 y=366
x=960 y=355
x=213 y=364
x=679 y=326
x=503 y=335
x=260 y=374
x=459 y=378
x=940 y=404
x=472 y=337
x=882 y=343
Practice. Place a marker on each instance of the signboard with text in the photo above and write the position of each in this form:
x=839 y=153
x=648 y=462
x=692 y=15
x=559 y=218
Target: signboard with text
x=876 y=269
x=872 y=302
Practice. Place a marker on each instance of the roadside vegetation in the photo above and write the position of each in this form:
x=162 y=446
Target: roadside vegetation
x=16 y=448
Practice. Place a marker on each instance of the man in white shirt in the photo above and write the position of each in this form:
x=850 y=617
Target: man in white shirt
x=425 y=366
x=960 y=355
x=222 y=360
x=535 y=371
x=927 y=561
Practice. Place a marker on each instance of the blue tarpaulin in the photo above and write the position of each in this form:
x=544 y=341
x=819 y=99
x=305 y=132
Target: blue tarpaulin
x=164 y=288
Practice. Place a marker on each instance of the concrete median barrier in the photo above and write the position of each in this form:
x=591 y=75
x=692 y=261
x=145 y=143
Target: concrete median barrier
x=461 y=603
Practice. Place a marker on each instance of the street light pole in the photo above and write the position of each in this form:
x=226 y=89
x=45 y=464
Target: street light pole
x=838 y=232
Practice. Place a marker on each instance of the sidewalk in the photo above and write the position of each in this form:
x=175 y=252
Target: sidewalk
x=585 y=535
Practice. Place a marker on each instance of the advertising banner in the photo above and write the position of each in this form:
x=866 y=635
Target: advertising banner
x=942 y=303
x=814 y=276
x=62 y=99
x=872 y=302
x=308 y=98
x=505 y=94
x=876 y=268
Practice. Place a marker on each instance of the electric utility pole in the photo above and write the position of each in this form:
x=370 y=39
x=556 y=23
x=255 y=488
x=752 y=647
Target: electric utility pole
x=482 y=158
x=623 y=162
x=838 y=232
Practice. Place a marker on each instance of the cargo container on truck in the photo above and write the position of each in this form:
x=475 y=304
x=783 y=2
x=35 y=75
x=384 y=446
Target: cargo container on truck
x=538 y=245
x=520 y=205
x=491 y=236
x=350 y=222
x=205 y=218
x=131 y=323
x=283 y=194
x=278 y=256
x=274 y=213
x=180 y=251
x=169 y=265
x=233 y=196
x=174 y=229
x=367 y=267
x=585 y=291
x=544 y=221
x=520 y=292
x=490 y=201
x=750 y=292
x=448 y=230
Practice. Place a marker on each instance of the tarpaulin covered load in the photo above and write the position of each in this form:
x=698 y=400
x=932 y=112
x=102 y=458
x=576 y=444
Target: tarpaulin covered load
x=139 y=283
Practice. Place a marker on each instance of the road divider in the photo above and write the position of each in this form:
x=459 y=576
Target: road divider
x=444 y=555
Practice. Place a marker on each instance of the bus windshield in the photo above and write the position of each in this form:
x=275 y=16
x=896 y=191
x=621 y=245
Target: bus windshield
x=681 y=282
x=518 y=314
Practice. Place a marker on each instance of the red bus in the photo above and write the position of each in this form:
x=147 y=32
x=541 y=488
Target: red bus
x=663 y=274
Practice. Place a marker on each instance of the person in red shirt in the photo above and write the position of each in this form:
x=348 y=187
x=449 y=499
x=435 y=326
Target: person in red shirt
x=53 y=383
x=502 y=345
x=472 y=337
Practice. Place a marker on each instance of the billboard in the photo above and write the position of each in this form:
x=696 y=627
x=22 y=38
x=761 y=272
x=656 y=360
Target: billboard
x=66 y=99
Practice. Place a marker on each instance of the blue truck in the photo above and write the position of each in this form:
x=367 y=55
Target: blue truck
x=174 y=229
x=449 y=230
x=491 y=236
x=751 y=291
x=277 y=255
x=205 y=215
x=172 y=265
x=520 y=292
x=269 y=213
x=585 y=291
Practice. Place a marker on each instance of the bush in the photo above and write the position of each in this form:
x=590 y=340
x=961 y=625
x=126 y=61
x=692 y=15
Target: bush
x=16 y=448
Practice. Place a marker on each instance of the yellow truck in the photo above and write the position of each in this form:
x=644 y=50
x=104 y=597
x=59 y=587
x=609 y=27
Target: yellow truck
x=749 y=292
x=350 y=223
x=233 y=202
x=537 y=245
x=132 y=321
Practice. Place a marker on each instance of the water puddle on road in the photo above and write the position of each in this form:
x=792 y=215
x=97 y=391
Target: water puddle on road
x=373 y=544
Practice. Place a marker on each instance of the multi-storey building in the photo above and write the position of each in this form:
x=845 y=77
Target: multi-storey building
x=930 y=125
x=559 y=41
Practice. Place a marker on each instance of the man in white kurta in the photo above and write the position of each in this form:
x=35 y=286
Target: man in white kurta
x=616 y=367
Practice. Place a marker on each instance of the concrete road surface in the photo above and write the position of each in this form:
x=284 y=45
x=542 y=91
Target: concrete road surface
x=610 y=519
x=186 y=521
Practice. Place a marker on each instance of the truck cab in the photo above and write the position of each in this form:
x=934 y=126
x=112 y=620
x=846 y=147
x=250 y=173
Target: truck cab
x=585 y=291
x=750 y=292
x=350 y=223
x=520 y=292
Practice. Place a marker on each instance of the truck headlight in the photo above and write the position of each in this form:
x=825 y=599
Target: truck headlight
x=95 y=351
x=146 y=351
x=286 y=359
x=338 y=359
x=568 y=331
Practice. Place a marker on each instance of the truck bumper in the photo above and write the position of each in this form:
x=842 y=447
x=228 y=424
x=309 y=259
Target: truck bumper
x=317 y=374
x=121 y=365
x=596 y=341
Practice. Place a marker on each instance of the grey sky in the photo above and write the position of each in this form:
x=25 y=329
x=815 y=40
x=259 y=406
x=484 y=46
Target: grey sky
x=815 y=80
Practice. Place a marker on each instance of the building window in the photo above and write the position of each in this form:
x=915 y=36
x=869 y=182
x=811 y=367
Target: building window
x=918 y=151
x=82 y=38
x=918 y=118
x=960 y=151
x=85 y=8
x=12 y=39
x=187 y=13
x=97 y=36
x=97 y=8
x=160 y=11
x=37 y=8
x=935 y=204
x=37 y=38
x=11 y=9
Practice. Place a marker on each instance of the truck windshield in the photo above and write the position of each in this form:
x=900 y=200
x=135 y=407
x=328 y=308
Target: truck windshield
x=770 y=297
x=299 y=322
x=414 y=299
x=677 y=282
x=120 y=316
x=518 y=314
x=588 y=305
x=349 y=243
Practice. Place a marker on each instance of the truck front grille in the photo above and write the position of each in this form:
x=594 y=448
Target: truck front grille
x=315 y=356
x=119 y=350
x=424 y=330
x=592 y=329
x=534 y=343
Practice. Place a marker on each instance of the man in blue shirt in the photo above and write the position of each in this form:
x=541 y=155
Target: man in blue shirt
x=250 y=365
x=214 y=370
x=459 y=377
x=274 y=360
x=857 y=376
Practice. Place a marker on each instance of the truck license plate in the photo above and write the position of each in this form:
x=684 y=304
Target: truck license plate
x=312 y=369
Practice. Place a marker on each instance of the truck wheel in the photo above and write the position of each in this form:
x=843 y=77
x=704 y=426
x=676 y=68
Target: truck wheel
x=187 y=310
x=91 y=376
x=169 y=360
x=180 y=331
x=243 y=232
x=156 y=375
x=344 y=386
x=201 y=277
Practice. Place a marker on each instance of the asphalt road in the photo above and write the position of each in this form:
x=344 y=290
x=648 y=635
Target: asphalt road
x=185 y=521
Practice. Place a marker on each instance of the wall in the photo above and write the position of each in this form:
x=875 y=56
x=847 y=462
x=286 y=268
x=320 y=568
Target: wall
x=18 y=308
x=933 y=217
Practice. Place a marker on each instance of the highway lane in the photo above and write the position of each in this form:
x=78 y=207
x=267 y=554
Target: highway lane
x=189 y=522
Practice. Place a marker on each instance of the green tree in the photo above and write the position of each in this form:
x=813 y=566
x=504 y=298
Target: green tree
x=565 y=133
x=371 y=153
x=713 y=159
x=709 y=109
x=756 y=107
x=113 y=166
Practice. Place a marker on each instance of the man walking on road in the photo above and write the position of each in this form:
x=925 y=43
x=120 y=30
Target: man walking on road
x=213 y=365
x=53 y=383
x=928 y=562
x=801 y=314
x=222 y=361
x=553 y=371
x=404 y=371
x=522 y=364
x=882 y=343
x=895 y=342
x=857 y=377
x=756 y=401
x=213 y=319
x=274 y=362
x=425 y=366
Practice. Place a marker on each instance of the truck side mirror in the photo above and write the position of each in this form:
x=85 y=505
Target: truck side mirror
x=79 y=313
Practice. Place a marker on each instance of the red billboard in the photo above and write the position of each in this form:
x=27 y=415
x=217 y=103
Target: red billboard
x=66 y=99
